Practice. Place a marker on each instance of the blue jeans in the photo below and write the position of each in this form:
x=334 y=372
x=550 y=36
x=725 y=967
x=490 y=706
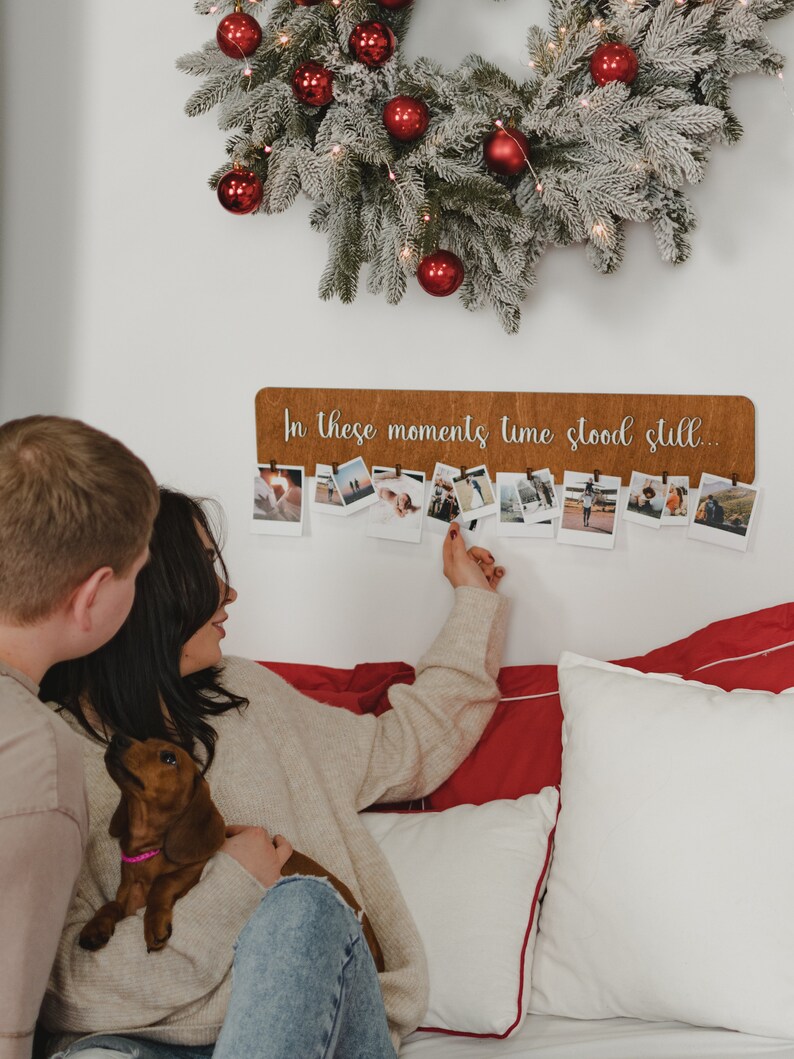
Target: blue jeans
x=304 y=984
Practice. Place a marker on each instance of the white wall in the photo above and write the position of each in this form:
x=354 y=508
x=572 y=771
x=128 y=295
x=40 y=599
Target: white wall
x=133 y=301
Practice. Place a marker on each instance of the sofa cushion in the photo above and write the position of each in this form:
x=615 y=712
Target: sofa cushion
x=669 y=894
x=472 y=877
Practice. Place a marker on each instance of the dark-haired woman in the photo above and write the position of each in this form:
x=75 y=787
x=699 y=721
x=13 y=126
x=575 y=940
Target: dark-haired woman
x=304 y=981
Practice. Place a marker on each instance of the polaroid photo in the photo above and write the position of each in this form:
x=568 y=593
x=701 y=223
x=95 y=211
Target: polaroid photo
x=278 y=500
x=475 y=494
x=326 y=499
x=646 y=501
x=354 y=483
x=442 y=505
x=539 y=497
x=511 y=514
x=589 y=510
x=397 y=516
x=676 y=508
x=724 y=513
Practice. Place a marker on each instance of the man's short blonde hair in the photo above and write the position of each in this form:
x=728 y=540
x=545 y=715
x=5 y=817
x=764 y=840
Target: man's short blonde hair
x=72 y=500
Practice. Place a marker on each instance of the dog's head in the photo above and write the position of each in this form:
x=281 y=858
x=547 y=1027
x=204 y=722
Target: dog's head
x=164 y=800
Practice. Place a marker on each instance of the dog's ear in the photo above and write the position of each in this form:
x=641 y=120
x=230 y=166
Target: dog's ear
x=120 y=821
x=199 y=832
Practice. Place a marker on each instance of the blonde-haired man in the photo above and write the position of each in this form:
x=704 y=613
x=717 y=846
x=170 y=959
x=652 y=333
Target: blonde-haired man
x=76 y=514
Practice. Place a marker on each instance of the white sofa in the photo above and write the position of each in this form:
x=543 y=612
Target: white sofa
x=547 y=1037
x=680 y=770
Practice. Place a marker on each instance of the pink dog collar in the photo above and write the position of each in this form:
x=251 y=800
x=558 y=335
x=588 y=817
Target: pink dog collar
x=140 y=857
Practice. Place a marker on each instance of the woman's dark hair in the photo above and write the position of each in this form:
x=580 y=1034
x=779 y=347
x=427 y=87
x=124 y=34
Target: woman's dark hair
x=129 y=680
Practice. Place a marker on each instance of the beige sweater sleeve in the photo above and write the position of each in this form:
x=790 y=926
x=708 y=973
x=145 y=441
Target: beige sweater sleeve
x=131 y=981
x=435 y=722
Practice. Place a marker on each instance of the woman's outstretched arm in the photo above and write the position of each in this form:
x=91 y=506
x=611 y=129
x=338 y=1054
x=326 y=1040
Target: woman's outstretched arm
x=435 y=722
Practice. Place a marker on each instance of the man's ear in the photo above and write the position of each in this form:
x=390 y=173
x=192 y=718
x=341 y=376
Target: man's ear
x=199 y=832
x=83 y=598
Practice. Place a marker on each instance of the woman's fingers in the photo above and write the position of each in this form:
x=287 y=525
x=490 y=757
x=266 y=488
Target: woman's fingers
x=475 y=567
x=283 y=849
x=487 y=563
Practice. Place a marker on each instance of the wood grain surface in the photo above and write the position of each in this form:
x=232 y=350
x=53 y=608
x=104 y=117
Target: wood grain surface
x=614 y=433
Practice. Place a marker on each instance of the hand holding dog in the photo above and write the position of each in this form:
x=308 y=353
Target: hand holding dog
x=260 y=855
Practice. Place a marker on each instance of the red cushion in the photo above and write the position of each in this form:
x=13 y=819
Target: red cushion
x=519 y=752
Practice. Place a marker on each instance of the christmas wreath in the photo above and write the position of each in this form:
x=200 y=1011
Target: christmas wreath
x=463 y=177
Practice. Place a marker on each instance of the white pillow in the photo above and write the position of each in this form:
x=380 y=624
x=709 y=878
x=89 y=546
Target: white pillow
x=472 y=878
x=671 y=893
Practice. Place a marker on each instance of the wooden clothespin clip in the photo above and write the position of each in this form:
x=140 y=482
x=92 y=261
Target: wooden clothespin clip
x=734 y=479
x=398 y=470
x=463 y=472
x=664 y=477
x=529 y=473
x=273 y=466
x=335 y=468
x=596 y=475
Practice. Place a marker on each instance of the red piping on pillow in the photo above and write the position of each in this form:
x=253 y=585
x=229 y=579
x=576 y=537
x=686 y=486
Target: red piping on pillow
x=533 y=909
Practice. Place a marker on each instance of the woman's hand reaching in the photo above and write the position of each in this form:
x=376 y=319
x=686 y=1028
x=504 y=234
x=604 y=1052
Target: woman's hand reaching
x=475 y=568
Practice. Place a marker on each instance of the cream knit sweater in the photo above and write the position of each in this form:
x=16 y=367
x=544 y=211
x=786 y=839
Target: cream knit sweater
x=302 y=769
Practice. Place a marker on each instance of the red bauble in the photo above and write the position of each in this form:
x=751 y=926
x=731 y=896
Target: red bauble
x=313 y=83
x=372 y=43
x=406 y=118
x=240 y=191
x=506 y=152
x=440 y=273
x=238 y=35
x=614 y=62
x=395 y=5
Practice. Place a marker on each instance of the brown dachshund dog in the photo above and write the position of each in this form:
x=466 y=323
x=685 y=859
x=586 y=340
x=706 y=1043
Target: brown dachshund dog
x=168 y=828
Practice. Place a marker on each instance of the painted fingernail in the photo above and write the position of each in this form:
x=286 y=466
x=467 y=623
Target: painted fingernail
x=453 y=535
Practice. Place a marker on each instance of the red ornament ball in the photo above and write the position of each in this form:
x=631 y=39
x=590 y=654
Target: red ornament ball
x=240 y=191
x=308 y=3
x=506 y=152
x=614 y=62
x=395 y=5
x=406 y=118
x=440 y=273
x=372 y=43
x=238 y=35
x=313 y=83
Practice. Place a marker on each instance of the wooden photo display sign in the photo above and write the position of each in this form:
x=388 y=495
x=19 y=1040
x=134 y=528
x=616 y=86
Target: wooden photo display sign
x=612 y=433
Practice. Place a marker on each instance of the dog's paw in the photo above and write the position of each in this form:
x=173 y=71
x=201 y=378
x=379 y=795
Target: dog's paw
x=96 y=934
x=157 y=935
